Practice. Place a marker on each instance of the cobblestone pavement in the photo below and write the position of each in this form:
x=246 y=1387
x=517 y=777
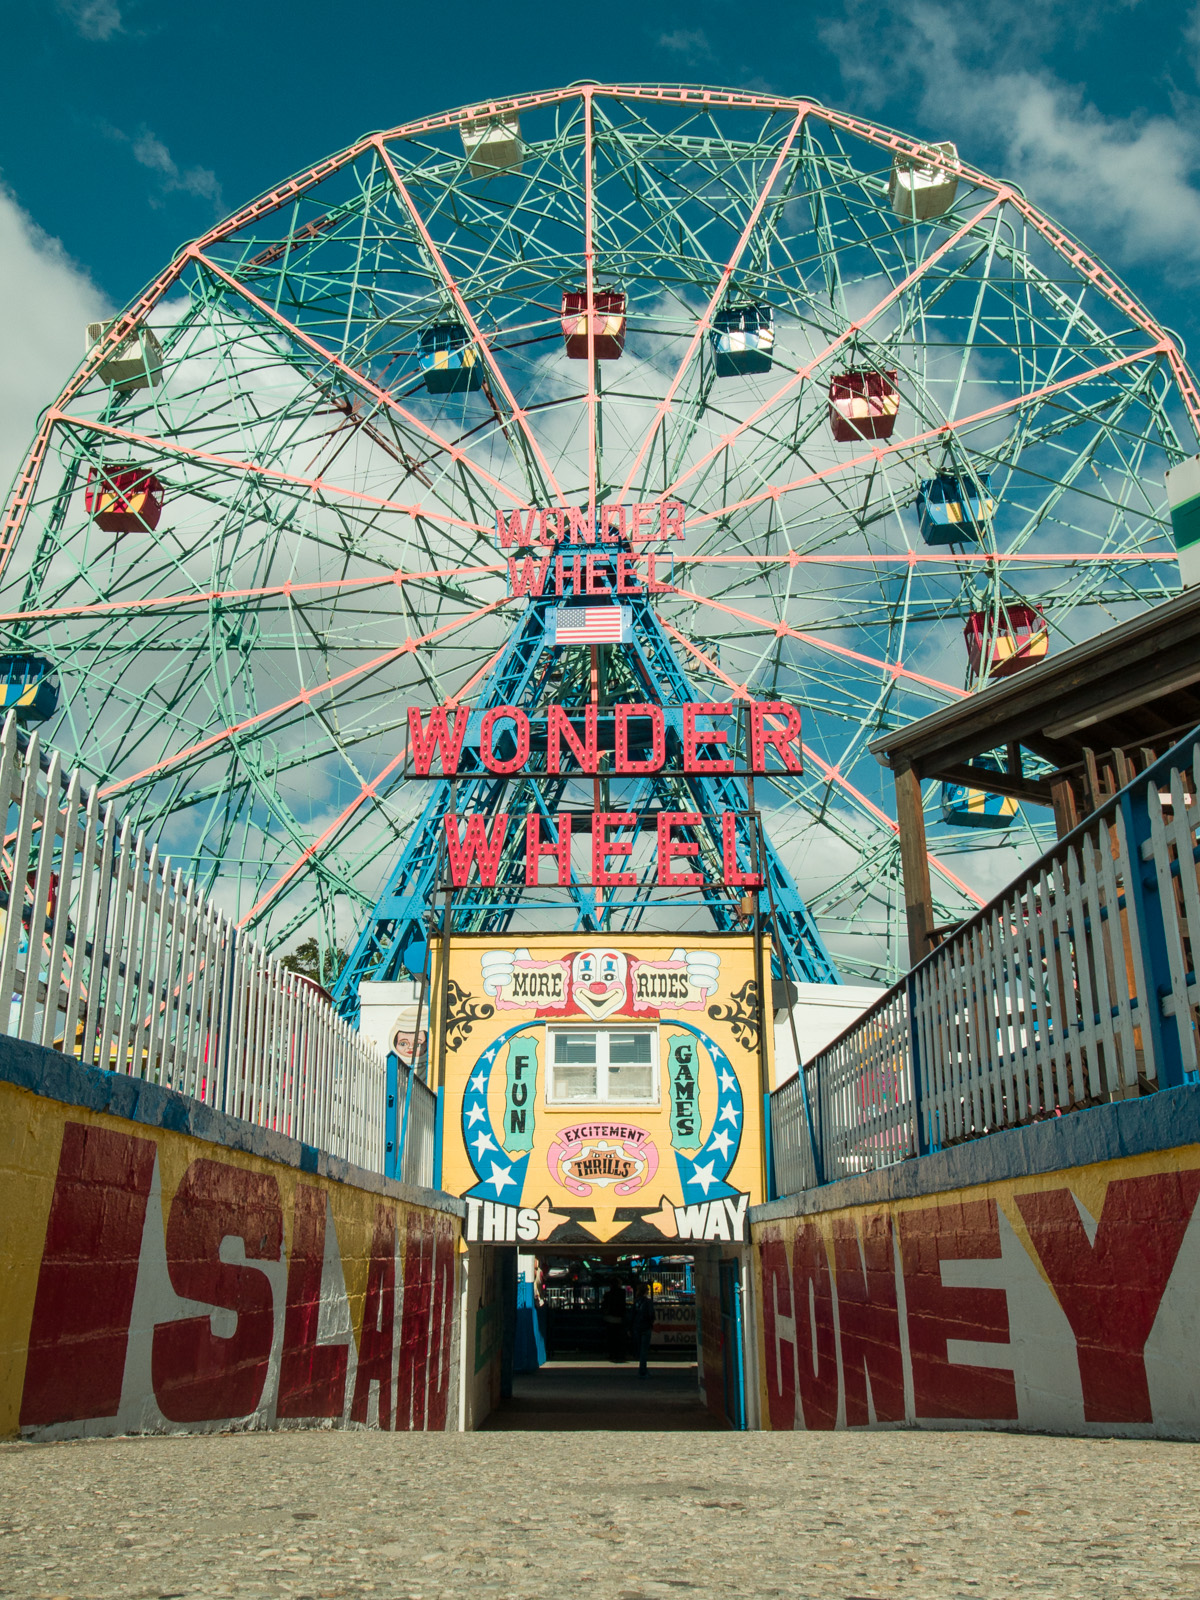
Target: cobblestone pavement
x=613 y=1516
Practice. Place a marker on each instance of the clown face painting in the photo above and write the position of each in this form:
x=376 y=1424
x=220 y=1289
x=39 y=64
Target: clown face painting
x=598 y=982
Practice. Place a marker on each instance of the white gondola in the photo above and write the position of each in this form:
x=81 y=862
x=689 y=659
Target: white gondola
x=922 y=189
x=743 y=338
x=493 y=144
x=136 y=363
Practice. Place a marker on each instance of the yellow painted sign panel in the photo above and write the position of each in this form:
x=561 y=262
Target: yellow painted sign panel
x=606 y=1092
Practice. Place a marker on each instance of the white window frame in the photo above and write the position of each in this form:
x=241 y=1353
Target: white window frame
x=602 y=1098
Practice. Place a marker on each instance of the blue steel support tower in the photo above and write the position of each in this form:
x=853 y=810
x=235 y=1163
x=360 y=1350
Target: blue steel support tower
x=531 y=672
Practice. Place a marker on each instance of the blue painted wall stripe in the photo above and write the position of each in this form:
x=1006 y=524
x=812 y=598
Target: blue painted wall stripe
x=1167 y=1120
x=56 y=1077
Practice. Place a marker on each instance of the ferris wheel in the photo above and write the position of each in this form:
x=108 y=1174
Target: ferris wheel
x=918 y=431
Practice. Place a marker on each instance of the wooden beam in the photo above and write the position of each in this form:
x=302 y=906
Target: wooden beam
x=1155 y=676
x=1036 y=791
x=1058 y=752
x=1066 y=812
x=914 y=863
x=1033 y=709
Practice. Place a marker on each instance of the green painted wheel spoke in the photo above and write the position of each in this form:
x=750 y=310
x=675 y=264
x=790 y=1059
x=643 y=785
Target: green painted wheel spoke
x=239 y=674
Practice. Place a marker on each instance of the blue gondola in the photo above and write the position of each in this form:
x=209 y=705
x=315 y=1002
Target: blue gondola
x=743 y=339
x=29 y=687
x=449 y=360
x=953 y=510
x=963 y=807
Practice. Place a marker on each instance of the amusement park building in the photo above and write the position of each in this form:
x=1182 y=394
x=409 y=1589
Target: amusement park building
x=526 y=620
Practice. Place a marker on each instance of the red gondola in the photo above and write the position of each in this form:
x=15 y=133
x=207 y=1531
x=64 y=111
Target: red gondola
x=609 y=323
x=863 y=405
x=1007 y=642
x=123 y=499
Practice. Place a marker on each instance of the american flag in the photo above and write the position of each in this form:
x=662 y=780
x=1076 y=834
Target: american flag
x=591 y=625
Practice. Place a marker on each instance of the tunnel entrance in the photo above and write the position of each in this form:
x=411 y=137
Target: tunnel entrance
x=576 y=1396
x=582 y=1297
x=618 y=1340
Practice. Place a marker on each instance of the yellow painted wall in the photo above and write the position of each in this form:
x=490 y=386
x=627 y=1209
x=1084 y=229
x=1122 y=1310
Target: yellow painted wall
x=150 y=1280
x=1066 y=1301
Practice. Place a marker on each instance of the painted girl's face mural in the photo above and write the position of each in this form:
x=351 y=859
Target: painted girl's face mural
x=598 y=982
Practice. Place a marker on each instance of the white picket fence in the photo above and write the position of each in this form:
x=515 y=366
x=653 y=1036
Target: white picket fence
x=1076 y=985
x=110 y=957
x=1174 y=851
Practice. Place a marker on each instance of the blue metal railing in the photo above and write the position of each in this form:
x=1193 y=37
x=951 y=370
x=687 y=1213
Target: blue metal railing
x=1075 y=985
x=412 y=1114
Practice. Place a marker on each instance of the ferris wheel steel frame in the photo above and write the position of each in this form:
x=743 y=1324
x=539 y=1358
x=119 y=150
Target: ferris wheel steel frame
x=428 y=456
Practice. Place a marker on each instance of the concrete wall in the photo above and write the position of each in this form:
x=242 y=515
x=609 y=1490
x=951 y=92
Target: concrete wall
x=710 y=1346
x=167 y=1269
x=483 y=1334
x=716 y=1360
x=1046 y=1278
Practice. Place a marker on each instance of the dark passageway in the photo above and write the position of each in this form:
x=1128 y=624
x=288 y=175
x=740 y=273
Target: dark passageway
x=576 y=1395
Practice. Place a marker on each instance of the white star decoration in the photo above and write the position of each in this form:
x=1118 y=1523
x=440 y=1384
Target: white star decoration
x=704 y=1176
x=501 y=1177
x=475 y=1114
x=729 y=1114
x=477 y=1082
x=484 y=1141
x=728 y=1081
x=721 y=1141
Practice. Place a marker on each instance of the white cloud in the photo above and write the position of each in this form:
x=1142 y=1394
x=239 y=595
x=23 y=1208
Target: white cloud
x=691 y=43
x=149 y=151
x=94 y=19
x=1125 y=182
x=1191 y=40
x=1129 y=178
x=47 y=302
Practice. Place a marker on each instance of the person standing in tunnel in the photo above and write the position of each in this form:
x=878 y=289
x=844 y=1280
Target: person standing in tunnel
x=642 y=1326
x=540 y=1311
x=612 y=1310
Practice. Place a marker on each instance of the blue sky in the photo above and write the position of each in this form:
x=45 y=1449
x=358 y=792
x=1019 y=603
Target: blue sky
x=132 y=126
